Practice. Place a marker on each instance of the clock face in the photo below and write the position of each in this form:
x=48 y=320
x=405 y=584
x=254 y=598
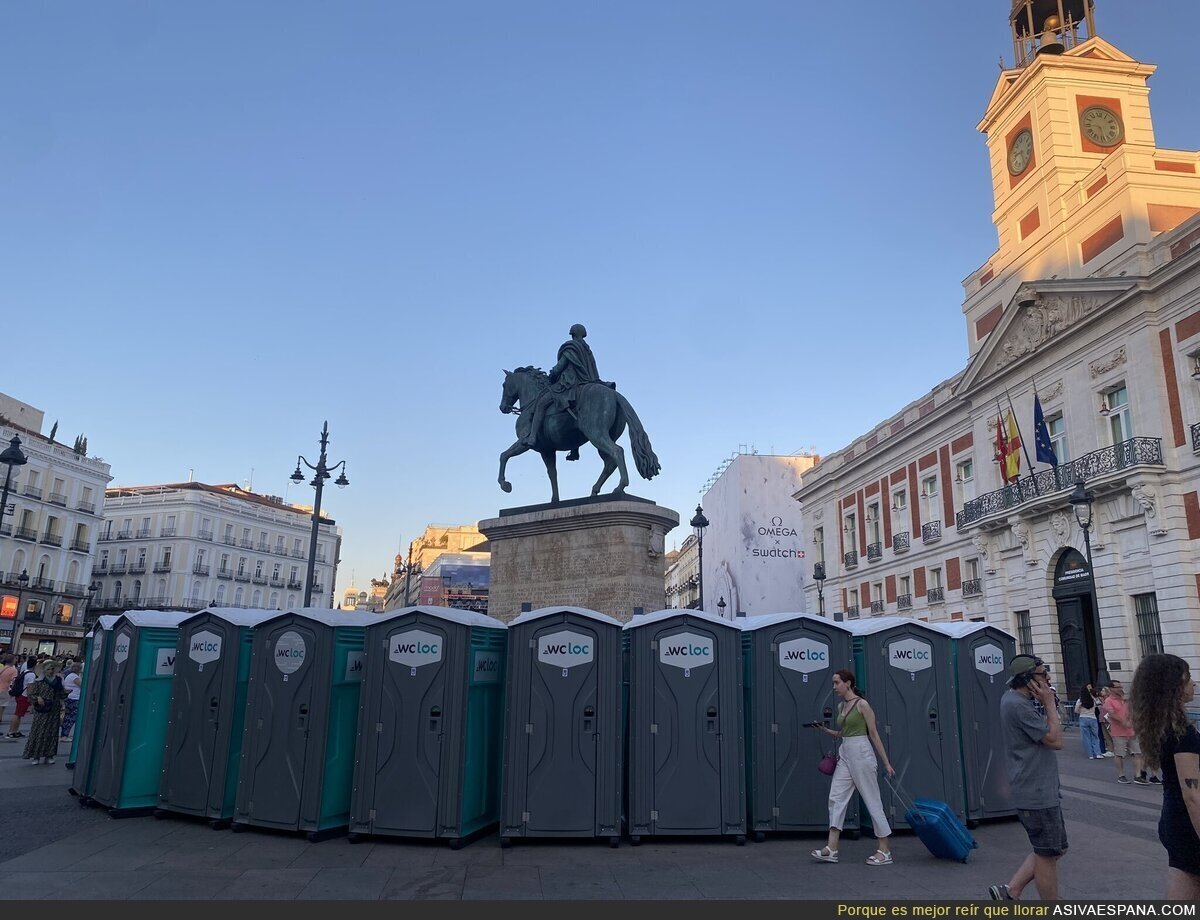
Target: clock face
x=1020 y=152
x=1101 y=126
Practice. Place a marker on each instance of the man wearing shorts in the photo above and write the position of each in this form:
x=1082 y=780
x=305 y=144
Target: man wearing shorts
x=1125 y=744
x=1031 y=737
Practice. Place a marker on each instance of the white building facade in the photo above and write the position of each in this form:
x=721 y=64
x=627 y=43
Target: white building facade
x=1091 y=301
x=186 y=546
x=47 y=537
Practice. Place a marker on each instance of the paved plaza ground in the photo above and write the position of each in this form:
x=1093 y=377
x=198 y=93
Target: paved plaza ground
x=72 y=852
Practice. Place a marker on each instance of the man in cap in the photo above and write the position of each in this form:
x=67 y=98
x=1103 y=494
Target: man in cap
x=1032 y=734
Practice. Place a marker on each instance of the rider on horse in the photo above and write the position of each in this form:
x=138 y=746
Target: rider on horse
x=576 y=367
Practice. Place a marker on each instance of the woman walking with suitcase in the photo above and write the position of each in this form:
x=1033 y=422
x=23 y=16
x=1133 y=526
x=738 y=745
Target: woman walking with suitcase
x=857 y=770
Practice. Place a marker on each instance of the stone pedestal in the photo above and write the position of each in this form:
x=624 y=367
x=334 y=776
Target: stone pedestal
x=605 y=554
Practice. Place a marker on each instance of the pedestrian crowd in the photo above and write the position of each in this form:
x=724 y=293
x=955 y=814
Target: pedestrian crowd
x=47 y=685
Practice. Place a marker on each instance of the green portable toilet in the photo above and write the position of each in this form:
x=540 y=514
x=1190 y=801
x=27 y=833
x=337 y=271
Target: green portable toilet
x=207 y=714
x=134 y=705
x=301 y=730
x=95 y=666
x=789 y=660
x=431 y=707
x=979 y=652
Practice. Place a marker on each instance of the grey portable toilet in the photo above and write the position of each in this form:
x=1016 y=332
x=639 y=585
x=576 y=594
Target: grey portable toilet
x=980 y=652
x=563 y=729
x=127 y=758
x=905 y=670
x=297 y=763
x=208 y=708
x=431 y=708
x=789 y=662
x=686 y=754
x=95 y=670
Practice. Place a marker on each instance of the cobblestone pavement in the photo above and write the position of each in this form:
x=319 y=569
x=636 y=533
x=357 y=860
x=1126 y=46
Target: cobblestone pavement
x=72 y=852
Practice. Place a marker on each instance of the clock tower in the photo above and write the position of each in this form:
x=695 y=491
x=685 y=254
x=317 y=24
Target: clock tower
x=1080 y=186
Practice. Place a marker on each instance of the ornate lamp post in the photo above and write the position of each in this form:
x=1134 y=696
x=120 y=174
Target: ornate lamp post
x=721 y=607
x=699 y=522
x=1081 y=501
x=819 y=578
x=91 y=590
x=11 y=457
x=321 y=472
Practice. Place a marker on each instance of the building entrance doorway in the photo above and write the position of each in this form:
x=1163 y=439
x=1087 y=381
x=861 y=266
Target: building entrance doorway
x=1076 y=623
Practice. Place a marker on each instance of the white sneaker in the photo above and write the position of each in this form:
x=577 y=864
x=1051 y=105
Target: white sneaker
x=1108 y=754
x=49 y=760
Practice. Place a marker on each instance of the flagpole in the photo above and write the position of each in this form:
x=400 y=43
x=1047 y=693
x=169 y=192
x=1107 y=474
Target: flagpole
x=1002 y=435
x=1024 y=446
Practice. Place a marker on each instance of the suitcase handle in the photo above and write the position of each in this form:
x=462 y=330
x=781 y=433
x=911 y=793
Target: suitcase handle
x=906 y=800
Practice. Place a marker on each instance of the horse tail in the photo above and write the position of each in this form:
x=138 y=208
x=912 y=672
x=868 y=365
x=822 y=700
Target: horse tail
x=643 y=453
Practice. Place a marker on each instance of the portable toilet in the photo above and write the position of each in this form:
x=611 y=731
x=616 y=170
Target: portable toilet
x=904 y=669
x=428 y=758
x=789 y=660
x=95 y=665
x=132 y=730
x=207 y=714
x=301 y=726
x=980 y=652
x=563 y=730
x=686 y=754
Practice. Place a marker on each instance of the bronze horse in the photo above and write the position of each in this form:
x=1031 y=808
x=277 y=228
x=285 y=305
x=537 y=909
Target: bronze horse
x=598 y=415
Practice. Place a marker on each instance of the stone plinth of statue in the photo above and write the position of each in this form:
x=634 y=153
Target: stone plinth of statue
x=603 y=553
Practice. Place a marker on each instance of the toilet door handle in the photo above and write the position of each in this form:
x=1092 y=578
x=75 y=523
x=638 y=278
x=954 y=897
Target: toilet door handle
x=435 y=719
x=302 y=721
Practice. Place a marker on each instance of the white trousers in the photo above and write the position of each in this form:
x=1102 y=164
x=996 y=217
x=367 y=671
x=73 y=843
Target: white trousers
x=857 y=769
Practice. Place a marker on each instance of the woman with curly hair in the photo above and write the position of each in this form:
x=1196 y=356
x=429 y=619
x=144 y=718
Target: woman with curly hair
x=1162 y=688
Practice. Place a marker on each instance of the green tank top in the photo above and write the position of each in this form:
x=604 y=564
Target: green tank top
x=852 y=722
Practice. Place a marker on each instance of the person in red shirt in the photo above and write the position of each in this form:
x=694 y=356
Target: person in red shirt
x=1125 y=743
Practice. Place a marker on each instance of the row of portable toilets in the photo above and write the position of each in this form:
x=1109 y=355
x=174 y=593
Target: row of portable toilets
x=438 y=723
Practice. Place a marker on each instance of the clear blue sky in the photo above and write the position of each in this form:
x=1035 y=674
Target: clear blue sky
x=222 y=223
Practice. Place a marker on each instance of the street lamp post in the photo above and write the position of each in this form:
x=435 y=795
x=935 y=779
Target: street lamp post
x=721 y=607
x=1081 y=501
x=11 y=457
x=321 y=472
x=91 y=590
x=22 y=584
x=819 y=578
x=699 y=522
x=410 y=569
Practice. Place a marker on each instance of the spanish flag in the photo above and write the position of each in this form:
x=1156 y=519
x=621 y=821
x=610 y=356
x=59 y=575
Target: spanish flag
x=1012 y=455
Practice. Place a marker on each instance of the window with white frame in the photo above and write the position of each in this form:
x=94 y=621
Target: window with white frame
x=972 y=569
x=900 y=501
x=964 y=478
x=1120 y=420
x=873 y=523
x=929 y=486
x=935 y=578
x=852 y=605
x=877 y=598
x=819 y=543
x=851 y=530
x=906 y=585
x=1056 y=426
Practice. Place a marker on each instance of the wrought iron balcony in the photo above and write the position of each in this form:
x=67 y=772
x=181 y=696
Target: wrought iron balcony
x=297 y=554
x=199 y=569
x=935 y=595
x=124 y=535
x=246 y=544
x=13 y=578
x=972 y=587
x=205 y=535
x=100 y=568
x=74 y=589
x=259 y=579
x=852 y=613
x=280 y=550
x=117 y=568
x=57 y=498
x=25 y=533
x=137 y=568
x=318 y=588
x=195 y=603
x=851 y=559
x=229 y=540
x=143 y=533
x=900 y=542
x=295 y=584
x=80 y=546
x=86 y=507
x=158 y=600
x=1096 y=465
x=276 y=581
x=262 y=546
x=225 y=573
x=904 y=602
x=167 y=532
x=931 y=532
x=1196 y=438
x=42 y=584
x=242 y=576
x=33 y=492
x=5 y=529
x=874 y=552
x=876 y=608
x=160 y=567
x=52 y=539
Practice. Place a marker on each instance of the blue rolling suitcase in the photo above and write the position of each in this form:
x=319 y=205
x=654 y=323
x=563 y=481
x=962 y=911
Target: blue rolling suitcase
x=939 y=828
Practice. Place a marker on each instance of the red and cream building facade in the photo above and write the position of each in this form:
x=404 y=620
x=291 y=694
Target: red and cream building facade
x=1092 y=297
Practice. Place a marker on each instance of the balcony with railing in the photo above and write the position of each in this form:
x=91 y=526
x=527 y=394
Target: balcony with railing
x=205 y=535
x=161 y=567
x=246 y=544
x=904 y=602
x=199 y=569
x=935 y=595
x=100 y=568
x=117 y=568
x=167 y=532
x=57 y=498
x=876 y=608
x=874 y=552
x=143 y=533
x=52 y=539
x=321 y=558
x=225 y=573
x=80 y=546
x=851 y=559
x=279 y=550
x=42 y=584
x=157 y=601
x=124 y=535
x=296 y=554
x=74 y=589
x=25 y=533
x=262 y=546
x=295 y=584
x=33 y=492
x=852 y=613
x=900 y=542
x=277 y=581
x=195 y=603
x=5 y=529
x=137 y=568
x=972 y=587
x=259 y=579
x=1196 y=438
x=86 y=507
x=318 y=588
x=931 y=532
x=1108 y=465
x=242 y=577
x=229 y=540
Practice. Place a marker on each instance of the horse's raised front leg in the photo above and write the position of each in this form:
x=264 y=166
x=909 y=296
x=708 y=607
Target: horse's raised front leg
x=516 y=450
x=550 y=460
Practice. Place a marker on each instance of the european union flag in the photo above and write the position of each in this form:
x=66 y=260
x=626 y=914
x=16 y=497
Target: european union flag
x=1045 y=450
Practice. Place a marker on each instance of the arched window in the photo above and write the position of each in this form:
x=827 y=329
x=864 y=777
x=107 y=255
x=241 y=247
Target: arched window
x=220 y=594
x=256 y=599
x=195 y=590
x=161 y=591
x=137 y=590
x=18 y=563
x=273 y=604
x=117 y=588
x=237 y=598
x=291 y=601
x=73 y=572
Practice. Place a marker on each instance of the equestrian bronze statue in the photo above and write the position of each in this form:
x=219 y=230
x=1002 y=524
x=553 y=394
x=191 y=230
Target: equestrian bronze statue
x=569 y=407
